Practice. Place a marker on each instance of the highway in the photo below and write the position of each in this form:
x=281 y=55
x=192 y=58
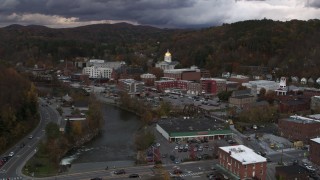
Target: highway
x=12 y=168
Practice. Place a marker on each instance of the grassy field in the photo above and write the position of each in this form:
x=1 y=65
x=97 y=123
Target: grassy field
x=40 y=166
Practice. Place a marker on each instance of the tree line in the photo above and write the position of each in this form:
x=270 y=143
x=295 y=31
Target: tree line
x=18 y=106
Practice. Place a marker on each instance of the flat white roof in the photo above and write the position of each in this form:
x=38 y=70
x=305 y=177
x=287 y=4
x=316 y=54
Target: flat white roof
x=317 y=140
x=244 y=154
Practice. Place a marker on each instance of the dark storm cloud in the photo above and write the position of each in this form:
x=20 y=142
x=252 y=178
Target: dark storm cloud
x=161 y=13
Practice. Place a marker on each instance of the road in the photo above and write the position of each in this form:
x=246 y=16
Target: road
x=191 y=170
x=12 y=169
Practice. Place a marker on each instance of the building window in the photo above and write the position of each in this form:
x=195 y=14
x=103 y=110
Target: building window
x=261 y=171
x=245 y=166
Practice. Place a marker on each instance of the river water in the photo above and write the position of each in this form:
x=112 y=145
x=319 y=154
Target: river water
x=116 y=142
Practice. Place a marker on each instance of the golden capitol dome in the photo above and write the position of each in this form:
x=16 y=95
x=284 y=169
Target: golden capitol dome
x=167 y=53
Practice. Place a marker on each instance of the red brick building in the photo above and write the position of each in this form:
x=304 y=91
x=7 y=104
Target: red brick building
x=213 y=85
x=309 y=92
x=165 y=84
x=298 y=128
x=192 y=74
x=314 y=151
x=293 y=103
x=243 y=162
x=148 y=79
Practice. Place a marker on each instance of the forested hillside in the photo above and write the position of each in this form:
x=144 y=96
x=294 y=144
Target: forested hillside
x=18 y=106
x=293 y=46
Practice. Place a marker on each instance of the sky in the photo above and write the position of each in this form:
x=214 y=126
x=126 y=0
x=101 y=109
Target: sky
x=158 y=13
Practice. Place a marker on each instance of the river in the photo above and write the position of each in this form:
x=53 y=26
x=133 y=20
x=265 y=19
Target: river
x=116 y=142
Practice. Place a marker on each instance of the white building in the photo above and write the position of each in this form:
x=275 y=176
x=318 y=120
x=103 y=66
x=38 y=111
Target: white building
x=97 y=72
x=131 y=86
x=105 y=64
x=267 y=85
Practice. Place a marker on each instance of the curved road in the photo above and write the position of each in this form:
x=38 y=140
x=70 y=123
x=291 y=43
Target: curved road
x=12 y=168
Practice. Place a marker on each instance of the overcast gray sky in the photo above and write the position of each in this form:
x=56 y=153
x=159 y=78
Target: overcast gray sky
x=160 y=13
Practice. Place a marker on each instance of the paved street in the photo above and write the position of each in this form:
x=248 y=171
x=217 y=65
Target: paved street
x=12 y=169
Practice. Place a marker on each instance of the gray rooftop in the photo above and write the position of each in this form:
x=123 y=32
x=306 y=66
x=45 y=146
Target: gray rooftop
x=191 y=124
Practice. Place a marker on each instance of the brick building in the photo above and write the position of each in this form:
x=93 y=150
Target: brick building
x=192 y=74
x=298 y=128
x=311 y=92
x=293 y=103
x=242 y=98
x=165 y=84
x=148 y=79
x=213 y=85
x=314 y=153
x=243 y=162
x=194 y=88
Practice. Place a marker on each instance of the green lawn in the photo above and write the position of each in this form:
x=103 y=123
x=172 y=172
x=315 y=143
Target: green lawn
x=41 y=166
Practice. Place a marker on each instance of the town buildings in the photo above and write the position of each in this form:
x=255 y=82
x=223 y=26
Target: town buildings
x=314 y=150
x=259 y=84
x=148 y=79
x=242 y=98
x=299 y=128
x=131 y=86
x=213 y=85
x=243 y=162
x=97 y=68
x=191 y=74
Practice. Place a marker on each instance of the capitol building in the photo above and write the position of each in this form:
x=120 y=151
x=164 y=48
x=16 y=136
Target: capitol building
x=167 y=63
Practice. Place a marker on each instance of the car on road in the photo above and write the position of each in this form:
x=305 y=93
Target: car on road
x=177 y=147
x=11 y=154
x=120 y=171
x=134 y=176
x=96 y=178
x=30 y=137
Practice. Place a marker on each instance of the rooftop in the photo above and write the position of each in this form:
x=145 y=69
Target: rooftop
x=243 y=154
x=188 y=124
x=317 y=140
x=301 y=119
x=293 y=169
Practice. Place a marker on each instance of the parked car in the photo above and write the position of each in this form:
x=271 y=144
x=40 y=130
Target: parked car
x=172 y=157
x=96 y=178
x=120 y=171
x=134 y=176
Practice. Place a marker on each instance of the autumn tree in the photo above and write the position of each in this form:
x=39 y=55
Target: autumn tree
x=94 y=115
